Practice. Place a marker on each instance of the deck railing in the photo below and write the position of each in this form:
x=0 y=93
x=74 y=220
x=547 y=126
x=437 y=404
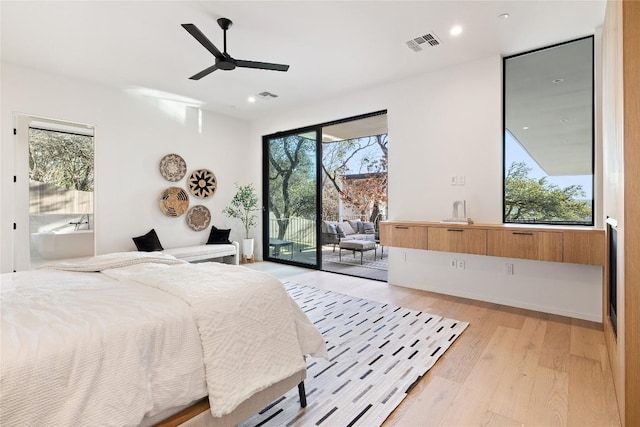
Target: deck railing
x=337 y=218
x=300 y=231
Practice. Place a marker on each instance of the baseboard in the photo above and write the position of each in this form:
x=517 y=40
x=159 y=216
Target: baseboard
x=512 y=303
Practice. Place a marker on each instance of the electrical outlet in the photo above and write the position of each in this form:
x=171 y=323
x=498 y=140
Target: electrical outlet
x=460 y=180
x=453 y=264
x=461 y=264
x=508 y=269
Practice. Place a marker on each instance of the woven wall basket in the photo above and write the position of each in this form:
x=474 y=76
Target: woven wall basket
x=173 y=167
x=202 y=183
x=198 y=218
x=174 y=201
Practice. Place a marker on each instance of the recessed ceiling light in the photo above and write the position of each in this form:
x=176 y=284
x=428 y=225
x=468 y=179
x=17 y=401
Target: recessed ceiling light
x=251 y=99
x=557 y=80
x=504 y=16
x=456 y=30
x=525 y=127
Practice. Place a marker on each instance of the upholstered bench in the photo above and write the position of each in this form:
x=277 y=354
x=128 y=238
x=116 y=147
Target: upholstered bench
x=358 y=246
x=206 y=252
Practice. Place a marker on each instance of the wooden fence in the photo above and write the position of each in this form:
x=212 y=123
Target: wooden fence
x=50 y=199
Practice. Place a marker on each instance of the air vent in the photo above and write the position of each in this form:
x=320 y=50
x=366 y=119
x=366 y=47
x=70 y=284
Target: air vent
x=267 y=95
x=419 y=43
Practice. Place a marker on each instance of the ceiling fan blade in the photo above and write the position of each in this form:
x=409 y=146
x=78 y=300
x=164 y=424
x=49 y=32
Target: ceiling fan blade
x=204 y=41
x=261 y=65
x=204 y=72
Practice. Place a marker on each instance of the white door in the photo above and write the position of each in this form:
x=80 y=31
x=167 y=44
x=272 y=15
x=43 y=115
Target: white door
x=21 y=237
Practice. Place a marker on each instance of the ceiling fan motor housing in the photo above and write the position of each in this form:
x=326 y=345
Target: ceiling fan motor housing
x=226 y=64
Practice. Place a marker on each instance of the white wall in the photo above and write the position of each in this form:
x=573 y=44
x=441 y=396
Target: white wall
x=442 y=124
x=133 y=132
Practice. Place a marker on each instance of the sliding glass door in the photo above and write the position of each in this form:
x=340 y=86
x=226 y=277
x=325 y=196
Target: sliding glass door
x=315 y=180
x=291 y=198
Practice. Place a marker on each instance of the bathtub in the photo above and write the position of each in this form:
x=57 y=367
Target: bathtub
x=67 y=243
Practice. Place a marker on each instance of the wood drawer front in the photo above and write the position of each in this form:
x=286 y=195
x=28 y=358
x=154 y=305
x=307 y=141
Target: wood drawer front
x=385 y=234
x=409 y=236
x=536 y=245
x=584 y=248
x=454 y=239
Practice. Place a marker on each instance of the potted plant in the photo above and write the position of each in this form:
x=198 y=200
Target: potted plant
x=243 y=205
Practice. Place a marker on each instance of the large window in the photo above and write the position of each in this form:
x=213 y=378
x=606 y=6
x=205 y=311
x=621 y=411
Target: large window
x=548 y=135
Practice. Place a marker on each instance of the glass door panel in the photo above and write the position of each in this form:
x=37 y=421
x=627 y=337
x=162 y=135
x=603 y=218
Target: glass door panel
x=354 y=196
x=291 y=198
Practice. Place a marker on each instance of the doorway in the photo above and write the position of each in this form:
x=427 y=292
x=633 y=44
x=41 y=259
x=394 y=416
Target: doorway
x=320 y=180
x=54 y=191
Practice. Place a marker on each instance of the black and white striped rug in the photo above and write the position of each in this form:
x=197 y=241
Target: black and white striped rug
x=377 y=353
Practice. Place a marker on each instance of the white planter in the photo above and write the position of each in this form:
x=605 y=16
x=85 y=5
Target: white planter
x=247 y=248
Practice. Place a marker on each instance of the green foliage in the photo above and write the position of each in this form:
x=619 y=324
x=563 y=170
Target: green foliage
x=292 y=179
x=529 y=199
x=243 y=204
x=292 y=175
x=61 y=159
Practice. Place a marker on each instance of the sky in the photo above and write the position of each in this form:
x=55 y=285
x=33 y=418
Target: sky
x=515 y=153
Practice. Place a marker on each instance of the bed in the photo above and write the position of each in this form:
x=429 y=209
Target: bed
x=134 y=338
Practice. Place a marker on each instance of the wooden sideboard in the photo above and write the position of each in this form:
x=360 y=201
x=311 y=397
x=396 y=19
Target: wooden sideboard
x=542 y=243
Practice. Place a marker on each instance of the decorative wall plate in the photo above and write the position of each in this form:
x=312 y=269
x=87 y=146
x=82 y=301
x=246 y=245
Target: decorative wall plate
x=198 y=218
x=173 y=167
x=174 y=201
x=202 y=183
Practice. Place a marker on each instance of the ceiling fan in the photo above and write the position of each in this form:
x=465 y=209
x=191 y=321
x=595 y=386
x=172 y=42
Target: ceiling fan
x=224 y=61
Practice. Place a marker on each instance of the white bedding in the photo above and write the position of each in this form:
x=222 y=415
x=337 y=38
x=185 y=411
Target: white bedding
x=248 y=325
x=114 y=260
x=89 y=349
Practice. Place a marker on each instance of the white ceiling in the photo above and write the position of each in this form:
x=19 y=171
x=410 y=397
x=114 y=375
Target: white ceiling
x=333 y=47
x=548 y=106
x=368 y=126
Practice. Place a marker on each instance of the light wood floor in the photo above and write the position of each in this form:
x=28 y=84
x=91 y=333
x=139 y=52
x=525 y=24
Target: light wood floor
x=511 y=367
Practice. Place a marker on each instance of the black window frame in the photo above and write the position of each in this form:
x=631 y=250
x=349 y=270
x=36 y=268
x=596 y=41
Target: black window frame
x=593 y=136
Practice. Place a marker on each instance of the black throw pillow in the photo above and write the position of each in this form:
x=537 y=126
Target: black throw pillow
x=218 y=236
x=148 y=243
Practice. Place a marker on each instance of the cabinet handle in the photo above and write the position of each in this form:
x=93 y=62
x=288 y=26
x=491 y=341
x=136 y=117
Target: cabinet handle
x=523 y=233
x=402 y=227
x=455 y=229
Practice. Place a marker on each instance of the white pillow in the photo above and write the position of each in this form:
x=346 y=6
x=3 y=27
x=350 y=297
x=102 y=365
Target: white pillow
x=346 y=228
